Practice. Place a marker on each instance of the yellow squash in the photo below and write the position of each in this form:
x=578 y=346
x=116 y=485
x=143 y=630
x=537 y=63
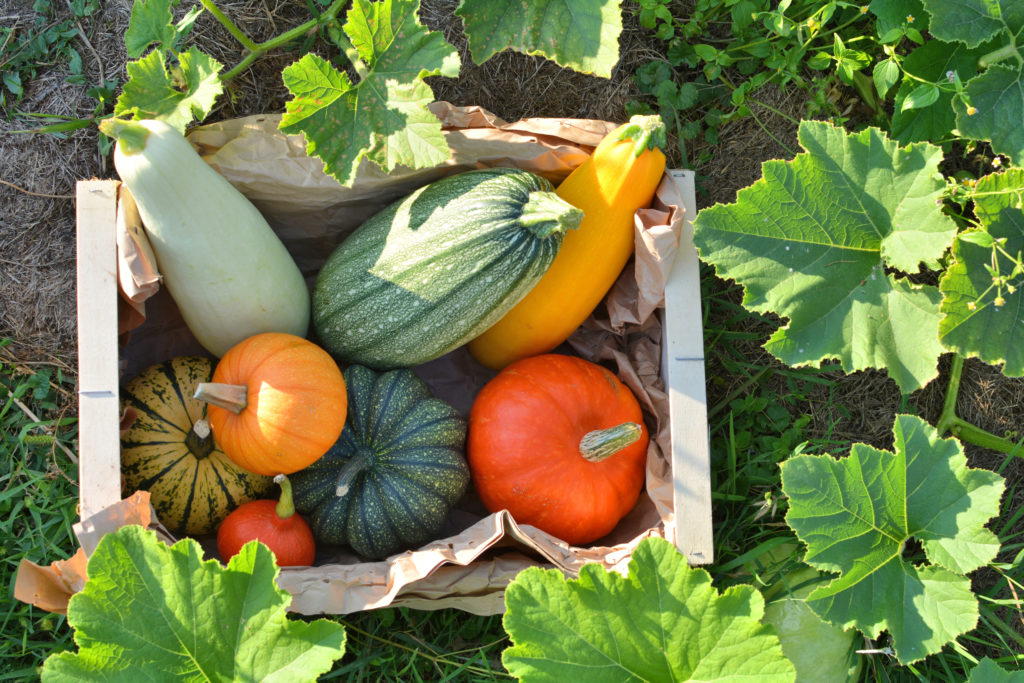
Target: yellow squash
x=620 y=177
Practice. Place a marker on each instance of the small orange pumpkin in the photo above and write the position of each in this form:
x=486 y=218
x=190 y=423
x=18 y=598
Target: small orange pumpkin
x=560 y=443
x=277 y=403
x=274 y=523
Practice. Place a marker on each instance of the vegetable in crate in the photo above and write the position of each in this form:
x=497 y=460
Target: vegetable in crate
x=277 y=403
x=560 y=443
x=170 y=452
x=223 y=265
x=389 y=482
x=620 y=177
x=275 y=524
x=436 y=268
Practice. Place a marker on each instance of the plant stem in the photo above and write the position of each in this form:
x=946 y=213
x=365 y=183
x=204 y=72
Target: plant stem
x=960 y=428
x=965 y=431
x=245 y=40
x=948 y=415
x=1005 y=52
x=256 y=50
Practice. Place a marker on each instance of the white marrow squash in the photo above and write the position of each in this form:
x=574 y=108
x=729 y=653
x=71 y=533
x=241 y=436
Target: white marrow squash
x=223 y=265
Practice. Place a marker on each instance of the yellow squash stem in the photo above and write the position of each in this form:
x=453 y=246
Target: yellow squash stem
x=620 y=177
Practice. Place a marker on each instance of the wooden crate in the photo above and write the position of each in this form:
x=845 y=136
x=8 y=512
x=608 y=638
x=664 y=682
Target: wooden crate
x=682 y=365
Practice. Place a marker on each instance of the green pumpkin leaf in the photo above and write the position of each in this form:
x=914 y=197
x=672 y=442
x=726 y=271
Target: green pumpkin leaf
x=995 y=111
x=177 y=95
x=384 y=117
x=970 y=22
x=933 y=61
x=578 y=34
x=664 y=622
x=148 y=607
x=988 y=671
x=151 y=22
x=892 y=15
x=857 y=514
x=972 y=323
x=812 y=239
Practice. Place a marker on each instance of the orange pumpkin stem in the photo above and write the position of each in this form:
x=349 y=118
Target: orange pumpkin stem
x=601 y=444
x=285 y=506
x=233 y=397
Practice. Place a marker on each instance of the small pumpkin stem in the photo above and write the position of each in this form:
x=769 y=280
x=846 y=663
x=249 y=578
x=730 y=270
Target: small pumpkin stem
x=359 y=462
x=199 y=440
x=231 y=397
x=546 y=214
x=600 y=444
x=648 y=132
x=285 y=506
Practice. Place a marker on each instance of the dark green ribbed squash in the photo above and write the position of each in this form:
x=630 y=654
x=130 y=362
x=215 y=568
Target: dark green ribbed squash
x=390 y=480
x=437 y=268
x=169 y=450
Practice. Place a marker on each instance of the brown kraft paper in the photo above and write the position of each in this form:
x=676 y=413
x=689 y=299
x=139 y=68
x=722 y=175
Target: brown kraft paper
x=481 y=553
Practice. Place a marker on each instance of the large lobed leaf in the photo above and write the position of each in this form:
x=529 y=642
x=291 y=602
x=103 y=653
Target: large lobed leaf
x=384 y=117
x=857 y=515
x=664 y=622
x=971 y=22
x=933 y=61
x=812 y=241
x=153 y=612
x=579 y=34
x=177 y=95
x=996 y=97
x=987 y=671
x=151 y=22
x=972 y=324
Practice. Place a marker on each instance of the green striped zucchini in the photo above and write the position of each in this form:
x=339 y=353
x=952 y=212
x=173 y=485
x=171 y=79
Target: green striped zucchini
x=390 y=481
x=170 y=452
x=435 y=269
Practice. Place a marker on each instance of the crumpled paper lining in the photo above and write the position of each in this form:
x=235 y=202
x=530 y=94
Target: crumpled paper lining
x=480 y=553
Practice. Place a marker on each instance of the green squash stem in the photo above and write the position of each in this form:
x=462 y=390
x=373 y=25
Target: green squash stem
x=231 y=397
x=546 y=214
x=356 y=464
x=285 y=506
x=601 y=444
x=647 y=132
x=199 y=440
x=130 y=135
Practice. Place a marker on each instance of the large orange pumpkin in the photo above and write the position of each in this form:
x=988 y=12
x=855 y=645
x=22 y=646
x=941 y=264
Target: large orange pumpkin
x=277 y=403
x=560 y=443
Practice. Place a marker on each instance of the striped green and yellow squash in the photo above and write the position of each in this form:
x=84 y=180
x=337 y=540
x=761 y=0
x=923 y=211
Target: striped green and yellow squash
x=435 y=269
x=390 y=481
x=170 y=452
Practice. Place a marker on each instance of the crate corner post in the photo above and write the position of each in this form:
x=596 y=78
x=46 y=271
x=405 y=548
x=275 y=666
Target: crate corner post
x=98 y=402
x=683 y=368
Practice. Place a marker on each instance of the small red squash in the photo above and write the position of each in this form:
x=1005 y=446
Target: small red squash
x=277 y=403
x=560 y=443
x=272 y=522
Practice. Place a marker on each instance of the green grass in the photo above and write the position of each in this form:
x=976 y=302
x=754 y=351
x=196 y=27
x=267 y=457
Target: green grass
x=38 y=497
